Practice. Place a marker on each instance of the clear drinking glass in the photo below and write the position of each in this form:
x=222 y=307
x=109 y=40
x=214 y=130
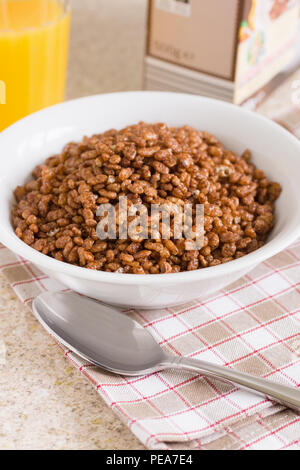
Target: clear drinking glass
x=34 y=40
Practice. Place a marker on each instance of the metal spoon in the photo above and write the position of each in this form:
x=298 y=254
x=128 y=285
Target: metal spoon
x=113 y=341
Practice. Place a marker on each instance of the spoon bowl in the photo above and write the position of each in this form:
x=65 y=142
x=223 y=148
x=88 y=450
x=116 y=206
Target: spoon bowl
x=111 y=340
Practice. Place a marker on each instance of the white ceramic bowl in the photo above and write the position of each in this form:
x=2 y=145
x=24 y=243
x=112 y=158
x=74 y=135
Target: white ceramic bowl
x=32 y=140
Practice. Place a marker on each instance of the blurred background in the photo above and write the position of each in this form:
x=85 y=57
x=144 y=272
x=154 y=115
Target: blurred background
x=107 y=46
x=109 y=51
x=237 y=51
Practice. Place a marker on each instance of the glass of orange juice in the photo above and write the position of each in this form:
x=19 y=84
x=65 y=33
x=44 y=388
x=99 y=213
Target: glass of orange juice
x=34 y=39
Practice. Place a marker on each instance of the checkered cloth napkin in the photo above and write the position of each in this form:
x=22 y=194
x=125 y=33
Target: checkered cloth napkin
x=253 y=326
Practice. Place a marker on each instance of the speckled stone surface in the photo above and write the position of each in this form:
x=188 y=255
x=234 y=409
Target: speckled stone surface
x=107 y=46
x=44 y=402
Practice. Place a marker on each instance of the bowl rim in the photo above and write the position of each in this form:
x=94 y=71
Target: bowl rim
x=271 y=248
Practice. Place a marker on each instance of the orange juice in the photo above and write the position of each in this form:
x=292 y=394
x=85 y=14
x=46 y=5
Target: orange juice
x=34 y=36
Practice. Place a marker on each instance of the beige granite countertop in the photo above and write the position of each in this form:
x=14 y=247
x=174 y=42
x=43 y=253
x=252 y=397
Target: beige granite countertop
x=45 y=403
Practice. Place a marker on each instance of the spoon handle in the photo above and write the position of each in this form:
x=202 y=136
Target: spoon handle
x=287 y=396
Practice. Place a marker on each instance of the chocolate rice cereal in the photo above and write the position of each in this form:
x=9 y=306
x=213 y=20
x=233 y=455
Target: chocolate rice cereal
x=55 y=213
